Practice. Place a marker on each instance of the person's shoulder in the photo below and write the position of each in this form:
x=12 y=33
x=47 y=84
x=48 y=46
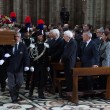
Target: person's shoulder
x=22 y=44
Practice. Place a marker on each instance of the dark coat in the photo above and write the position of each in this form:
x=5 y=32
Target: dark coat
x=69 y=54
x=89 y=54
x=56 y=49
x=98 y=42
x=68 y=59
x=18 y=61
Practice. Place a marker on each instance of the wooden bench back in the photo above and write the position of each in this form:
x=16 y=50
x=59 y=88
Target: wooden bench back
x=91 y=71
x=58 y=66
x=80 y=71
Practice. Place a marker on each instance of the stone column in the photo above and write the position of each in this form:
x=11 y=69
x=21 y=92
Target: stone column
x=102 y=13
x=72 y=13
x=38 y=9
x=57 y=11
x=42 y=9
x=8 y=7
x=68 y=5
x=51 y=11
x=107 y=12
x=97 y=13
x=25 y=8
x=4 y=7
x=90 y=12
x=17 y=8
x=46 y=10
x=33 y=11
x=1 y=7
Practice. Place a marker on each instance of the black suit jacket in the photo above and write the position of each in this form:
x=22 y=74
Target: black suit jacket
x=18 y=61
x=69 y=54
x=89 y=54
x=98 y=42
x=56 y=49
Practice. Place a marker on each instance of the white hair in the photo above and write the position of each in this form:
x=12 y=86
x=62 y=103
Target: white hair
x=69 y=34
x=18 y=34
x=56 y=31
x=89 y=34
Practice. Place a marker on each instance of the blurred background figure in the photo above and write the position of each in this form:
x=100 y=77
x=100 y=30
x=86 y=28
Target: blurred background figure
x=64 y=15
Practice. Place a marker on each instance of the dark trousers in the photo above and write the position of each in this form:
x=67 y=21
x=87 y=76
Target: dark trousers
x=15 y=81
x=28 y=78
x=3 y=76
x=88 y=80
x=39 y=78
x=68 y=76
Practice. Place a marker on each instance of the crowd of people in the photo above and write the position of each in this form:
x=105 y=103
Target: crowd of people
x=36 y=47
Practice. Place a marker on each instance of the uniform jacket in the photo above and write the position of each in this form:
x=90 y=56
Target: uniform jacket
x=43 y=60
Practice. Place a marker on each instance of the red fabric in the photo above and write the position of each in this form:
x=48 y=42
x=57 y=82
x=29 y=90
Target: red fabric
x=27 y=20
x=40 y=21
x=13 y=14
x=2 y=16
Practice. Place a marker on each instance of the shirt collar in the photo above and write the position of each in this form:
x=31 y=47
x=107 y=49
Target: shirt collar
x=88 y=41
x=17 y=43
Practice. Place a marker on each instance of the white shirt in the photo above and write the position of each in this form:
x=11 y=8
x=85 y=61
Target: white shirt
x=88 y=42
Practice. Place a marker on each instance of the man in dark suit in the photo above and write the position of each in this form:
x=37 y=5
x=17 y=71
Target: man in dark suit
x=17 y=62
x=56 y=47
x=69 y=59
x=89 y=56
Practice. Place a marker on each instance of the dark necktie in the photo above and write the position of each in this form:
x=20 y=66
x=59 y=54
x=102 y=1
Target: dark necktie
x=15 y=51
x=85 y=43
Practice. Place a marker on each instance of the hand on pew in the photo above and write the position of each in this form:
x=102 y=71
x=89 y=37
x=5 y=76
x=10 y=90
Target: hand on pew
x=95 y=66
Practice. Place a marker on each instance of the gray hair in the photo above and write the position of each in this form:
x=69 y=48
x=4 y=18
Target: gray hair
x=89 y=34
x=18 y=34
x=69 y=34
x=56 y=31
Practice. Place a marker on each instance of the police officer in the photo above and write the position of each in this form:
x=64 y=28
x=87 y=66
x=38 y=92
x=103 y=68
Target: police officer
x=40 y=63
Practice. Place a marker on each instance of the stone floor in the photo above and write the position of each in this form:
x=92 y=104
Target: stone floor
x=52 y=102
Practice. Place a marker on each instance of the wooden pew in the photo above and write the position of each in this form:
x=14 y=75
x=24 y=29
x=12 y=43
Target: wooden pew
x=78 y=72
x=58 y=81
